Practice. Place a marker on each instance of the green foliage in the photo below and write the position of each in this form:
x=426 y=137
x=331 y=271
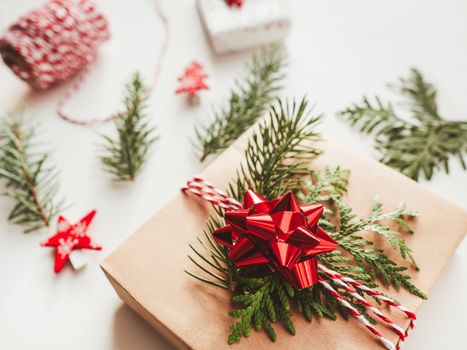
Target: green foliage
x=419 y=143
x=30 y=179
x=278 y=151
x=276 y=161
x=247 y=102
x=125 y=155
x=264 y=300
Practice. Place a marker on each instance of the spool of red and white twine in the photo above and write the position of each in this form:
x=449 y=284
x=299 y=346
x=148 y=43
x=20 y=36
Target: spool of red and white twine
x=54 y=42
x=205 y=190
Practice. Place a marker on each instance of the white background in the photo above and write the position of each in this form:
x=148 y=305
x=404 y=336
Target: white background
x=338 y=50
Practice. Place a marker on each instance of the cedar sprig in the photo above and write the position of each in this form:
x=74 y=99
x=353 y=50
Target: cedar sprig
x=416 y=143
x=30 y=178
x=247 y=102
x=125 y=155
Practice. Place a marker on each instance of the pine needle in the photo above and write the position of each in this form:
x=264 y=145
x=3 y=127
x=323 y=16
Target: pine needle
x=125 y=155
x=416 y=144
x=247 y=102
x=30 y=179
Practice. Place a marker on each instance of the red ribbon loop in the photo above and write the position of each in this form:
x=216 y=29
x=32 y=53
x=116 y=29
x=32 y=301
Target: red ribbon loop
x=281 y=233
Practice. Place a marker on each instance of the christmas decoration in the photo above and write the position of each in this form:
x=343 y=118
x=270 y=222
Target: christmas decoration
x=125 y=155
x=69 y=237
x=30 y=178
x=257 y=23
x=416 y=144
x=284 y=236
x=279 y=233
x=237 y=3
x=52 y=43
x=192 y=81
x=371 y=265
x=247 y=102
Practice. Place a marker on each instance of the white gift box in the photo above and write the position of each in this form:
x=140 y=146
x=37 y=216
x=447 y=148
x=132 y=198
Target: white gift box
x=256 y=23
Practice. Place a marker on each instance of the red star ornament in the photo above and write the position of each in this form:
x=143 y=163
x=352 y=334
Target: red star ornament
x=69 y=237
x=280 y=233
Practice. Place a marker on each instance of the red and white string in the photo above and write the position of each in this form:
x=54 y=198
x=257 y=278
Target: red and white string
x=52 y=43
x=207 y=191
x=155 y=80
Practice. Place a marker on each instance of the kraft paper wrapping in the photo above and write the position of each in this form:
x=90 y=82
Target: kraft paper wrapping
x=147 y=269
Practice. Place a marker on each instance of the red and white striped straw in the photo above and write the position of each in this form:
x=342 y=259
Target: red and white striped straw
x=205 y=190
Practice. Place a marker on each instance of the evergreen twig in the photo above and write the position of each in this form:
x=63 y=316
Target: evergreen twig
x=276 y=152
x=30 y=180
x=276 y=161
x=125 y=155
x=247 y=102
x=419 y=143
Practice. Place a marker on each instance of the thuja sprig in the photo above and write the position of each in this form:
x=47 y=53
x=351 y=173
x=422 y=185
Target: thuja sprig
x=247 y=102
x=30 y=179
x=124 y=155
x=370 y=262
x=420 y=142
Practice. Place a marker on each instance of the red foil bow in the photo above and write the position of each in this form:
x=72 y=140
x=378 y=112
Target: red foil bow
x=280 y=233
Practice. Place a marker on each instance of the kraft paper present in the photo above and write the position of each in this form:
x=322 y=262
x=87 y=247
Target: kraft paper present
x=147 y=269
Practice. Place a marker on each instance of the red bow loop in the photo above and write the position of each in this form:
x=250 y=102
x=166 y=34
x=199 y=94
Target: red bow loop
x=281 y=233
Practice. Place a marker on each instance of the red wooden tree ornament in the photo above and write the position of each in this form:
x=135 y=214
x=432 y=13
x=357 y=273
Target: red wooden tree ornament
x=192 y=80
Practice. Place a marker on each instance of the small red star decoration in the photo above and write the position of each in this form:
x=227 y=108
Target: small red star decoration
x=69 y=237
x=192 y=80
x=237 y=3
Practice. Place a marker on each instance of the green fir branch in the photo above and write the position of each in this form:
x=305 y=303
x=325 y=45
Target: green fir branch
x=30 y=179
x=247 y=102
x=125 y=155
x=276 y=161
x=415 y=144
x=280 y=149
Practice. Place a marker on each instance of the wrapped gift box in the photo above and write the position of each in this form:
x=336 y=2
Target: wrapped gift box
x=256 y=23
x=147 y=270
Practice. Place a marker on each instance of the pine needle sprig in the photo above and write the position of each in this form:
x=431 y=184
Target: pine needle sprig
x=282 y=147
x=415 y=144
x=125 y=155
x=276 y=161
x=30 y=179
x=247 y=102
x=279 y=151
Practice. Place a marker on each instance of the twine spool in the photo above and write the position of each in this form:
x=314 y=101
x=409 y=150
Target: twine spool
x=52 y=43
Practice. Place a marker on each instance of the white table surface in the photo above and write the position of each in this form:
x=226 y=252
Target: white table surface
x=338 y=50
